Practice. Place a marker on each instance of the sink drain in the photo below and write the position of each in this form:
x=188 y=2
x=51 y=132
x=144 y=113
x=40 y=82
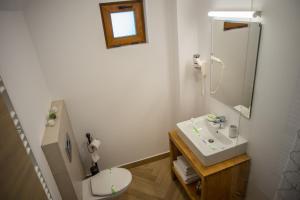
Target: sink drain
x=211 y=141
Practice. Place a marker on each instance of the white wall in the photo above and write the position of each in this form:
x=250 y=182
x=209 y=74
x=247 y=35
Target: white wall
x=189 y=83
x=277 y=72
x=123 y=96
x=22 y=76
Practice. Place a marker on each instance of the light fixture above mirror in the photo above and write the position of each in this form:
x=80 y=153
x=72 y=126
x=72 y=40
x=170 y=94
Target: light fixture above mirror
x=236 y=15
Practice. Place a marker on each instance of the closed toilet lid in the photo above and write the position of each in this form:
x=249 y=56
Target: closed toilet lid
x=110 y=181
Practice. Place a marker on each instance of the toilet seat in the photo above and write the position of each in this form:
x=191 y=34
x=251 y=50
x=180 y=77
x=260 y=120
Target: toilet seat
x=110 y=182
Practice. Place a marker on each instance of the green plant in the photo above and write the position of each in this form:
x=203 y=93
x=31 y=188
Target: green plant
x=52 y=115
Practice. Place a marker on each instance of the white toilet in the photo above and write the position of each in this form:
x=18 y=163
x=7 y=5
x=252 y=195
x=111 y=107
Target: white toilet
x=107 y=184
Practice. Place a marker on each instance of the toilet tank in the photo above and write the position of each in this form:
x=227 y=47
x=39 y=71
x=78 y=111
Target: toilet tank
x=61 y=151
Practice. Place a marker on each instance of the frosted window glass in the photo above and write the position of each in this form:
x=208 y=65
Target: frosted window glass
x=123 y=24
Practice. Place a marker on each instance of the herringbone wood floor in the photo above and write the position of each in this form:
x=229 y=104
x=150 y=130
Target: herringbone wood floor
x=153 y=181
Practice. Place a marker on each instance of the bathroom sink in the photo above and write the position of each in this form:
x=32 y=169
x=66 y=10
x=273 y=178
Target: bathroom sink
x=210 y=144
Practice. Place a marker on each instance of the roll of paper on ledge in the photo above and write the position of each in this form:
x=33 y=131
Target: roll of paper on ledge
x=95 y=156
x=95 y=144
x=233 y=131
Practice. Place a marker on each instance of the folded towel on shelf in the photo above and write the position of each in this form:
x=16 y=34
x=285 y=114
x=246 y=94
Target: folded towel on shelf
x=184 y=162
x=187 y=179
x=187 y=170
x=185 y=165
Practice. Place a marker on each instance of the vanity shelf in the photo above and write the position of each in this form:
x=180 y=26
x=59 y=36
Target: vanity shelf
x=189 y=188
x=226 y=180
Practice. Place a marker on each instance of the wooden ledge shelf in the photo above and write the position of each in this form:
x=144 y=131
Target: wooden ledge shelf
x=223 y=181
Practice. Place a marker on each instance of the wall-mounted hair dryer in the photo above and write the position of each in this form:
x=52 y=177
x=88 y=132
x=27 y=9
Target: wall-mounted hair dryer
x=199 y=64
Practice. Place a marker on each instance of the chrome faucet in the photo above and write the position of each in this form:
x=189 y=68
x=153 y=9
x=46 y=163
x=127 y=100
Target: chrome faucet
x=220 y=120
x=216 y=121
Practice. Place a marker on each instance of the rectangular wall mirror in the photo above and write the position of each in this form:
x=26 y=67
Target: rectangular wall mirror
x=235 y=47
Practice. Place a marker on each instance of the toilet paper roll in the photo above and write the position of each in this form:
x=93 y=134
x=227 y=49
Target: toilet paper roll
x=95 y=157
x=95 y=144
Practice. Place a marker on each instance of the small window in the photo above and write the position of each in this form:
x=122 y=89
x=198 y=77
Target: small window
x=123 y=23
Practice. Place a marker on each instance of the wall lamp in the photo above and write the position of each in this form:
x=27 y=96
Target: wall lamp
x=236 y=15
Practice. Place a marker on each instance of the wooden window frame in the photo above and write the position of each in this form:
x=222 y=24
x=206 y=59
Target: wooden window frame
x=234 y=25
x=137 y=7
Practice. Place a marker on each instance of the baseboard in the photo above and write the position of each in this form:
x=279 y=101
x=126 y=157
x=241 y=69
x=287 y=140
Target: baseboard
x=145 y=160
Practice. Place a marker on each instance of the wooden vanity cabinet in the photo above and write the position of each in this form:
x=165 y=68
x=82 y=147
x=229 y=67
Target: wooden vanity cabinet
x=226 y=180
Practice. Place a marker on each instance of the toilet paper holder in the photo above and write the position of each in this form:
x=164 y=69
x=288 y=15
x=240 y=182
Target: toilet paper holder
x=92 y=148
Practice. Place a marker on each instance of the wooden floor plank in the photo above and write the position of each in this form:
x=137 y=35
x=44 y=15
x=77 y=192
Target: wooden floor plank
x=153 y=181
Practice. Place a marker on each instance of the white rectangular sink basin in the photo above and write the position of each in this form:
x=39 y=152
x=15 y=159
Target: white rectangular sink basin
x=207 y=144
